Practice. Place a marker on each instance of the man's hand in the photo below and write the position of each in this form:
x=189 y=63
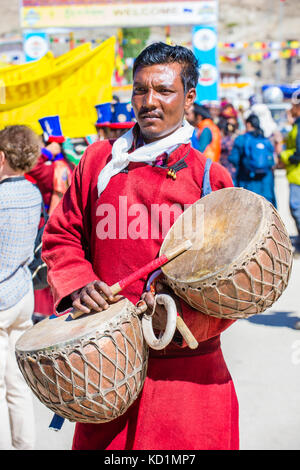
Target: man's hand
x=159 y=320
x=94 y=296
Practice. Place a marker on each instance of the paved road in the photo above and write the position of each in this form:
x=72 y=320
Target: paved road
x=263 y=356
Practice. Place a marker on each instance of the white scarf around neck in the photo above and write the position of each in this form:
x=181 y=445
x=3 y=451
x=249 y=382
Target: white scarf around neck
x=147 y=153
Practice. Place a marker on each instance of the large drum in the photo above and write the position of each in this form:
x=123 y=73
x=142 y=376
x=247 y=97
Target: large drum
x=90 y=369
x=241 y=255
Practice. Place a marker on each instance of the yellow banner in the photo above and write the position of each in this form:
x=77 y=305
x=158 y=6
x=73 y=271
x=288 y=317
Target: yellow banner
x=71 y=90
x=16 y=73
x=76 y=52
x=12 y=74
x=30 y=89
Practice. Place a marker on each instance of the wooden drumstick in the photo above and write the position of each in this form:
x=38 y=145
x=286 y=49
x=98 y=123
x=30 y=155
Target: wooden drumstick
x=145 y=270
x=180 y=325
x=186 y=333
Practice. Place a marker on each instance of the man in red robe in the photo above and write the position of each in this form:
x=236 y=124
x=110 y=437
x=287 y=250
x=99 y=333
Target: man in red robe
x=106 y=227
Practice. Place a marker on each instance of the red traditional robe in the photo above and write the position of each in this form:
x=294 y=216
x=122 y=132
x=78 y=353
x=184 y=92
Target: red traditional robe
x=188 y=400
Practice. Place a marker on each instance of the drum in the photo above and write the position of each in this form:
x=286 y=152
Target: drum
x=90 y=369
x=241 y=255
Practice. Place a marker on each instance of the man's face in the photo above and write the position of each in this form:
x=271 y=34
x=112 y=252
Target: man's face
x=158 y=100
x=190 y=115
x=109 y=133
x=116 y=133
x=214 y=112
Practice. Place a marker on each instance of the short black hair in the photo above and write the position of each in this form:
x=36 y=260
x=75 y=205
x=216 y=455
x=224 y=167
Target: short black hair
x=202 y=111
x=161 y=53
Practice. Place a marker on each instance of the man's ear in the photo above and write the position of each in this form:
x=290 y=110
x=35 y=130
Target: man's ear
x=189 y=99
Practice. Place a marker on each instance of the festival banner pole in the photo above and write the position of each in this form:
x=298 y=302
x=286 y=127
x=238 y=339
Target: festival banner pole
x=205 y=47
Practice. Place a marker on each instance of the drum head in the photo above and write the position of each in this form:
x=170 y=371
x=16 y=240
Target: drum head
x=221 y=226
x=63 y=330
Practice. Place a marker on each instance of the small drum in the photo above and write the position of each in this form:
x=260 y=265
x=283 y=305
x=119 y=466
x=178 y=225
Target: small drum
x=90 y=369
x=241 y=255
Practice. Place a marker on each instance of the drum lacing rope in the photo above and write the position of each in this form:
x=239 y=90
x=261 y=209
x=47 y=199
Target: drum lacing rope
x=278 y=269
x=135 y=364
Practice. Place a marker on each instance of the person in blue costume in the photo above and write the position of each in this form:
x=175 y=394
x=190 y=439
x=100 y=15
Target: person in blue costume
x=252 y=148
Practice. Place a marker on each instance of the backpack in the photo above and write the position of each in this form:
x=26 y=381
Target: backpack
x=38 y=267
x=258 y=158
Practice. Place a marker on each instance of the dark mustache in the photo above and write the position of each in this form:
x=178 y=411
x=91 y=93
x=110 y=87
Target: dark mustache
x=151 y=113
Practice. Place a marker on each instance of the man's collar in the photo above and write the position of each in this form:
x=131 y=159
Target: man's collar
x=167 y=158
x=138 y=140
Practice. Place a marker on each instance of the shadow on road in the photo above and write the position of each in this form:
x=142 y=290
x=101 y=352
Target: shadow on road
x=286 y=319
x=296 y=244
x=295 y=240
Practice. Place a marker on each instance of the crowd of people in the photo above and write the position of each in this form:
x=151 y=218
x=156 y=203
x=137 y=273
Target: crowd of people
x=250 y=146
x=37 y=171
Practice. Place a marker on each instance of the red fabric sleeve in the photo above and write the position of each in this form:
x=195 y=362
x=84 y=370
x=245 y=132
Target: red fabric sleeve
x=202 y=326
x=63 y=245
x=219 y=177
x=30 y=178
